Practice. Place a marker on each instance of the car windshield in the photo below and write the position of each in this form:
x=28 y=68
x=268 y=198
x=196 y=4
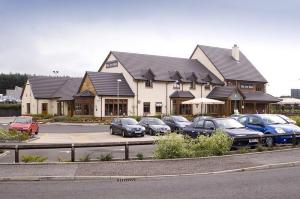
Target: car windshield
x=22 y=120
x=129 y=121
x=273 y=119
x=228 y=124
x=155 y=121
x=179 y=119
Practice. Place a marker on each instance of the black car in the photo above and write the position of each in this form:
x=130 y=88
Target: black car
x=154 y=126
x=126 y=127
x=176 y=123
x=230 y=126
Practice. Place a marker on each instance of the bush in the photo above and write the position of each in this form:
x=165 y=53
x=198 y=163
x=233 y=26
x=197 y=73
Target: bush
x=177 y=146
x=297 y=119
x=13 y=135
x=171 y=146
x=85 y=158
x=10 y=106
x=33 y=158
x=107 y=157
x=140 y=156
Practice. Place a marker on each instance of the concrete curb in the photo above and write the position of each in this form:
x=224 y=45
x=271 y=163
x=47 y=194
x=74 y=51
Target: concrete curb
x=134 y=178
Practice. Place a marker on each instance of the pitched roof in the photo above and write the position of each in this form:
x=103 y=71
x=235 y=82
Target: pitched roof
x=182 y=94
x=47 y=87
x=222 y=92
x=106 y=84
x=260 y=97
x=226 y=91
x=231 y=69
x=85 y=93
x=163 y=67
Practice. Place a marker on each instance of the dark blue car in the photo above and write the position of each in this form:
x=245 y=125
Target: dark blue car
x=271 y=124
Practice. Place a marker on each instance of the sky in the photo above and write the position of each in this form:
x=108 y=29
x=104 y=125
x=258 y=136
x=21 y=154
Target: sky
x=74 y=36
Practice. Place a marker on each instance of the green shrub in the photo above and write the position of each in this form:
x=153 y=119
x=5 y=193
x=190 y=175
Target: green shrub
x=171 y=146
x=86 y=158
x=260 y=148
x=243 y=150
x=33 y=158
x=107 y=157
x=10 y=106
x=13 y=135
x=140 y=156
x=177 y=146
x=297 y=119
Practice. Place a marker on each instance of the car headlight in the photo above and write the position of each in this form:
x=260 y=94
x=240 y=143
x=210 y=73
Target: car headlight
x=143 y=128
x=128 y=128
x=279 y=130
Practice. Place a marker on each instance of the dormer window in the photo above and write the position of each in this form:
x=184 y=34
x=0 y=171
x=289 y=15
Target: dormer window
x=176 y=85
x=149 y=83
x=207 y=86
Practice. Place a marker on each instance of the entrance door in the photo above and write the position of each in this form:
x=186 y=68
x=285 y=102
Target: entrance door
x=28 y=108
x=59 y=108
x=45 y=108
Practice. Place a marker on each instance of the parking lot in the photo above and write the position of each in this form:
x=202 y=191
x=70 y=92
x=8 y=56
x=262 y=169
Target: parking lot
x=77 y=133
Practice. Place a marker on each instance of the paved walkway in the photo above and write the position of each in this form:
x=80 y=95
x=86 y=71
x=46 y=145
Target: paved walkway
x=85 y=138
x=149 y=168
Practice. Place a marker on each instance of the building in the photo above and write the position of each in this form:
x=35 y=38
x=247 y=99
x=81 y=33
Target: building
x=295 y=93
x=49 y=95
x=148 y=85
x=14 y=93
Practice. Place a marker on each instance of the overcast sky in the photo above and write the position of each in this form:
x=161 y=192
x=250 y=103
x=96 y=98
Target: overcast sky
x=72 y=36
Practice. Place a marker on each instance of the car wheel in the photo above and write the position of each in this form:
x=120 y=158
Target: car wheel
x=37 y=132
x=123 y=133
x=151 y=132
x=269 y=141
x=111 y=131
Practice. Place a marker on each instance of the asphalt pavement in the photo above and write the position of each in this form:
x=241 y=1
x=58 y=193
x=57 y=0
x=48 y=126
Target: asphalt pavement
x=263 y=184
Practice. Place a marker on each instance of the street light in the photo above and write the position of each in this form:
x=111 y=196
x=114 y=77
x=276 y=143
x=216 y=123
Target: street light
x=118 y=82
x=55 y=72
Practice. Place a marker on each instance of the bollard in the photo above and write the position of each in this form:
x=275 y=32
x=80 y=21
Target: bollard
x=126 y=151
x=72 y=153
x=17 y=154
x=294 y=140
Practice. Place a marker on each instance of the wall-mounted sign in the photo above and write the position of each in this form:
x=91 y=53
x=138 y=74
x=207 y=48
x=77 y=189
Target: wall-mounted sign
x=111 y=64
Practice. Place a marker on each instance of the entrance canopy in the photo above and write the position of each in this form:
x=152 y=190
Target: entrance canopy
x=203 y=100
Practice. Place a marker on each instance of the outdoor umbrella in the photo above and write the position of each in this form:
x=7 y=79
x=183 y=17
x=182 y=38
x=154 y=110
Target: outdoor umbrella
x=291 y=101
x=203 y=100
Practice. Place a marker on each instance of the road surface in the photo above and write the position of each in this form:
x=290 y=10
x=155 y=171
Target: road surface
x=264 y=184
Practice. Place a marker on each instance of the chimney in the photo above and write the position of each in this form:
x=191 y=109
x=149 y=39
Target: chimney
x=236 y=53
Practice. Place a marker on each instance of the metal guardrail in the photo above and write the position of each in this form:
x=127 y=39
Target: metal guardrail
x=73 y=146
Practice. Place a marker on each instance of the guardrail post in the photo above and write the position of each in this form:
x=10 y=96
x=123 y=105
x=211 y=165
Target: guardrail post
x=16 y=154
x=294 y=140
x=72 y=153
x=126 y=151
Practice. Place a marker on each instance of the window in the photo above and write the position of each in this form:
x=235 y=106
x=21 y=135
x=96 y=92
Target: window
x=158 y=107
x=258 y=88
x=149 y=83
x=199 y=124
x=111 y=107
x=176 y=85
x=193 y=85
x=28 y=108
x=207 y=87
x=247 y=86
x=45 y=108
x=254 y=121
x=243 y=120
x=111 y=64
x=146 y=107
x=209 y=125
x=77 y=109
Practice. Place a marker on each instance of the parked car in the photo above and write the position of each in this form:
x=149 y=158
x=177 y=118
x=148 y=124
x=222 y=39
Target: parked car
x=126 y=127
x=230 y=126
x=236 y=116
x=289 y=120
x=154 y=126
x=201 y=118
x=176 y=122
x=25 y=124
x=270 y=124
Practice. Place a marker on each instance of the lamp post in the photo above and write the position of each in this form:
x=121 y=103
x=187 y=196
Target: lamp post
x=118 y=88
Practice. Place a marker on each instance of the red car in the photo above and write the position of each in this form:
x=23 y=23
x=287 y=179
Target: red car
x=25 y=124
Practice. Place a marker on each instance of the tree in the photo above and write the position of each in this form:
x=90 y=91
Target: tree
x=9 y=81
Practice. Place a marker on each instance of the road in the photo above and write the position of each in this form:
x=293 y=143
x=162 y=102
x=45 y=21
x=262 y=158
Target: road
x=264 y=184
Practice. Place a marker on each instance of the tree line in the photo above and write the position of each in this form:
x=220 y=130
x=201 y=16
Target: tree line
x=9 y=81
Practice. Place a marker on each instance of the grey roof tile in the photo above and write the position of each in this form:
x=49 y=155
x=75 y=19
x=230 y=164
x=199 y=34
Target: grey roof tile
x=231 y=69
x=106 y=84
x=47 y=87
x=163 y=66
x=260 y=97
x=182 y=94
